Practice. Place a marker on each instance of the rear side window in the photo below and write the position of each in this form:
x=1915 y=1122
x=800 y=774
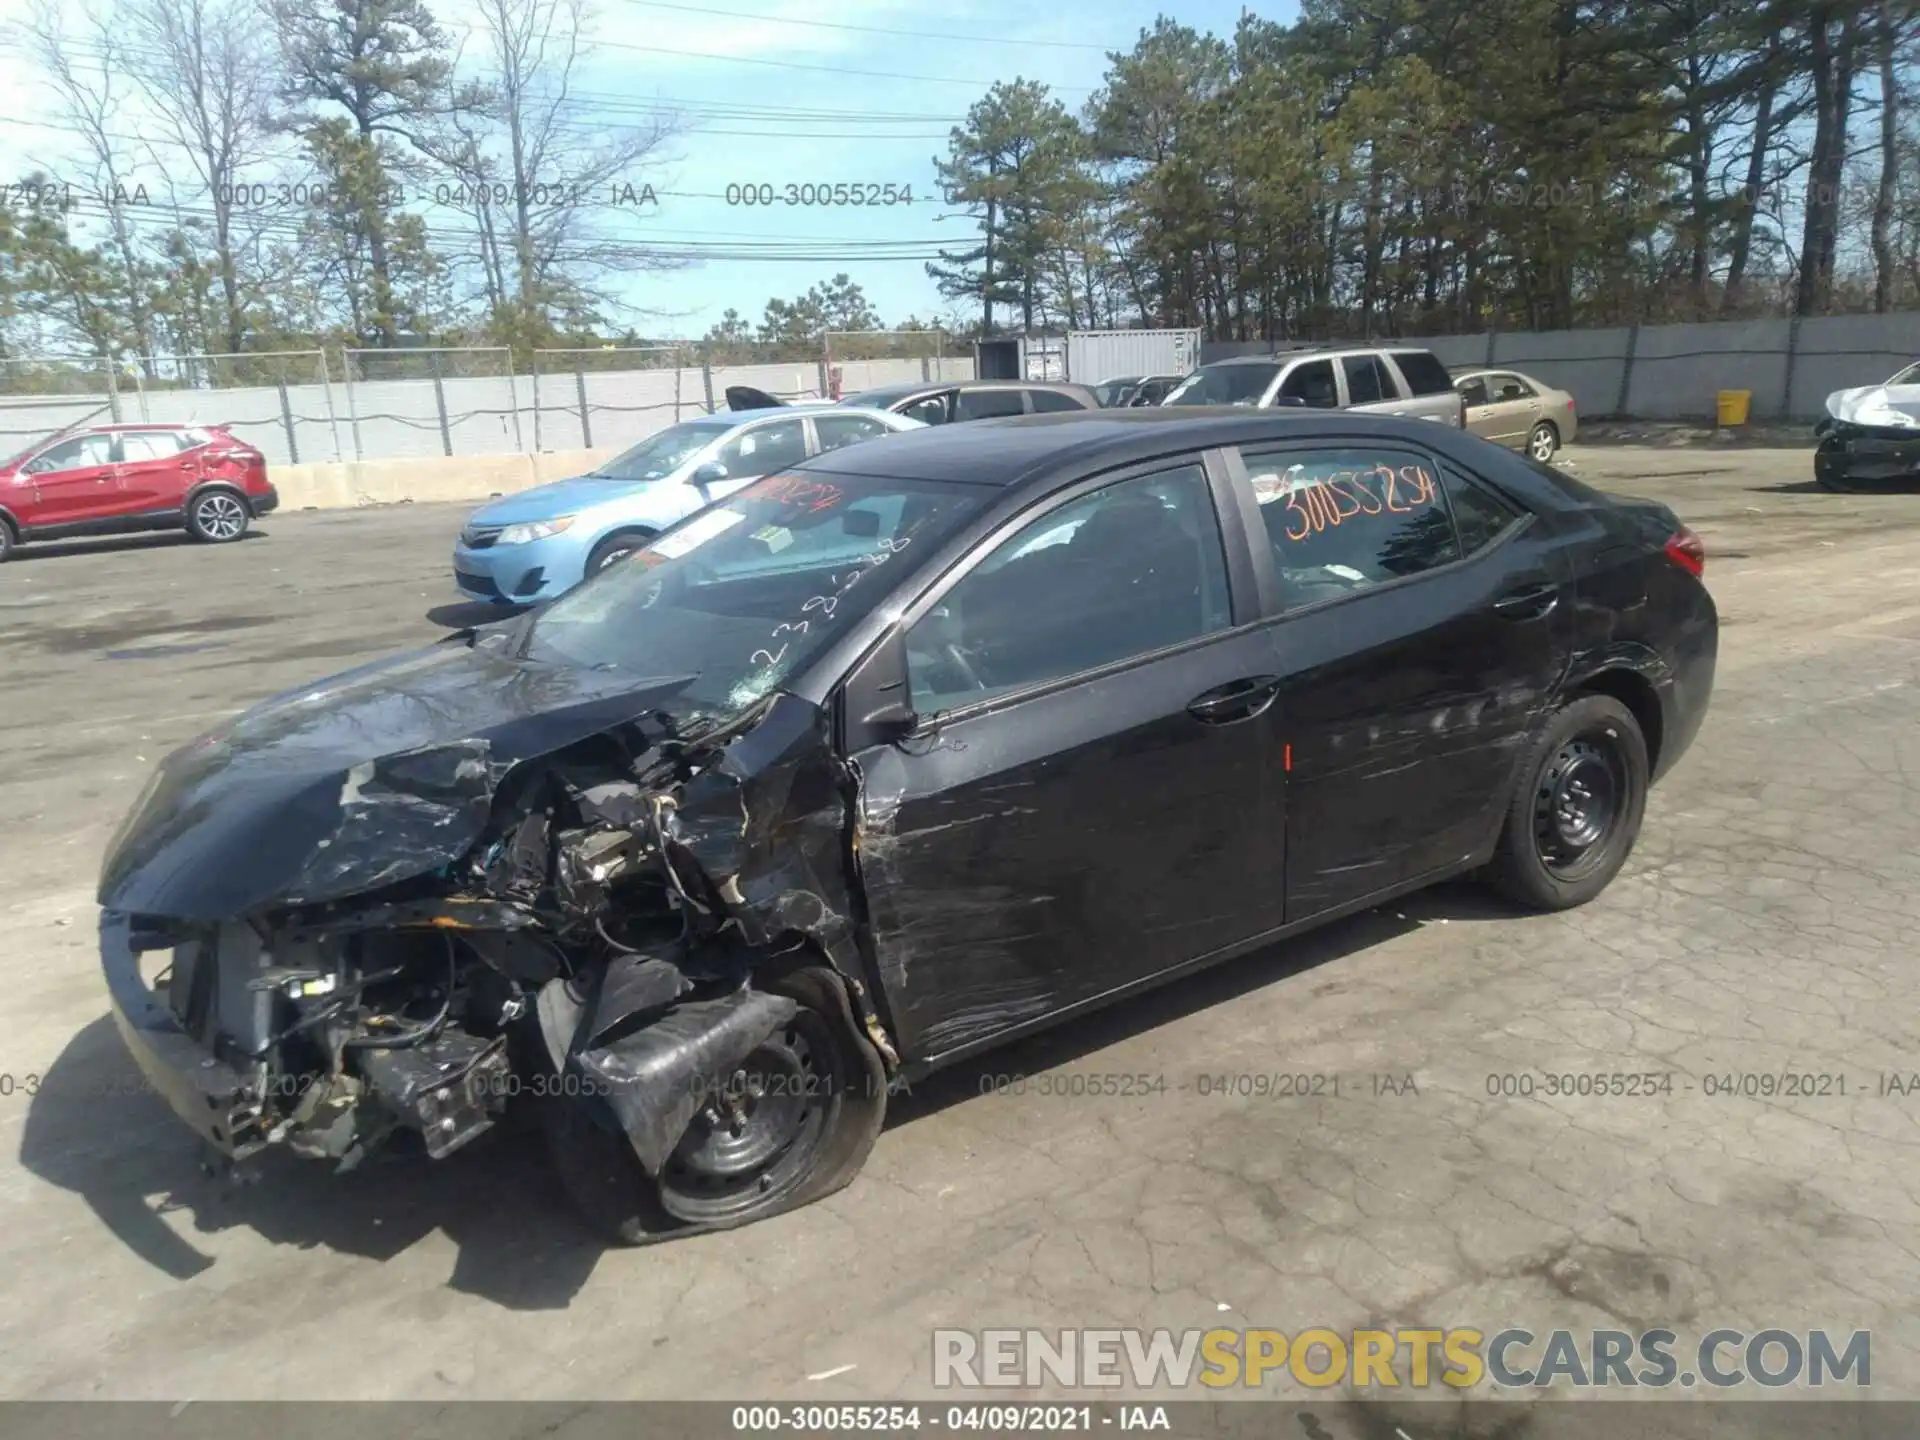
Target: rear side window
x=928 y=410
x=984 y=404
x=1346 y=518
x=1046 y=400
x=1311 y=383
x=149 y=444
x=1479 y=516
x=1424 y=372
x=1368 y=382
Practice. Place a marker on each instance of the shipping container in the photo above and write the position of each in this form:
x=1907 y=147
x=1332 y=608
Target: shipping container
x=1097 y=355
x=1021 y=357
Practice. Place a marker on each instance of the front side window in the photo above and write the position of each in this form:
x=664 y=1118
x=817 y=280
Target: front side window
x=742 y=595
x=1342 y=519
x=1474 y=391
x=80 y=453
x=1128 y=569
x=764 y=450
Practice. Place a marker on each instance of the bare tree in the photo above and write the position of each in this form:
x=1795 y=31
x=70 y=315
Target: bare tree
x=539 y=175
x=203 y=67
x=90 y=101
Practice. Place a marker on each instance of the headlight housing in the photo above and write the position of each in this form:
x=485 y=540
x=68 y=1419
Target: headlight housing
x=533 y=530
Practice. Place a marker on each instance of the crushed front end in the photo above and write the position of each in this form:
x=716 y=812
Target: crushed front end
x=652 y=930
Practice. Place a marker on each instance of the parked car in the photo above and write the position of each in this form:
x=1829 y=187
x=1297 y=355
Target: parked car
x=1135 y=390
x=1518 y=411
x=1871 y=435
x=540 y=543
x=1381 y=380
x=885 y=761
x=122 y=479
x=944 y=402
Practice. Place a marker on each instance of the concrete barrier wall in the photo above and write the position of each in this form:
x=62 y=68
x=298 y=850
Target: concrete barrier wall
x=1674 y=372
x=330 y=485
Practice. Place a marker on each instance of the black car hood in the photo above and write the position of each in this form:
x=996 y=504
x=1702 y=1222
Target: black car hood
x=372 y=777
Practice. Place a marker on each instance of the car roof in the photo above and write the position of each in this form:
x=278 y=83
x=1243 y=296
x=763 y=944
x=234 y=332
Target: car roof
x=1022 y=450
x=1306 y=352
x=886 y=394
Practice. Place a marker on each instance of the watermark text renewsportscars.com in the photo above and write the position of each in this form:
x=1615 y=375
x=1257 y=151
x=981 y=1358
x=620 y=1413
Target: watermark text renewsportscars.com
x=1458 y=1358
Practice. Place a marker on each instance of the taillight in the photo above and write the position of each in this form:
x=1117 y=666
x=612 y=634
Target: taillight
x=1685 y=550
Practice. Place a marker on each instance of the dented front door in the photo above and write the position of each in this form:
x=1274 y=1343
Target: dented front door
x=1088 y=800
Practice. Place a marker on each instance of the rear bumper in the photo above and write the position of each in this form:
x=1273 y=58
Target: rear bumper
x=265 y=504
x=1685 y=697
x=215 y=1101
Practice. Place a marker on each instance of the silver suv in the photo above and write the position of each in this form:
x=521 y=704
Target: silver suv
x=1377 y=379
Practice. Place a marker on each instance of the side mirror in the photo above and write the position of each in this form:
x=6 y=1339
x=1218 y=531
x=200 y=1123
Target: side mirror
x=708 y=473
x=894 y=721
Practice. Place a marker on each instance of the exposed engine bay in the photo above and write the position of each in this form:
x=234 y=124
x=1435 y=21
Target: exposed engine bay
x=620 y=940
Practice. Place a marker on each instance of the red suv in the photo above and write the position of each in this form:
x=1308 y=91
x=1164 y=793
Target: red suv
x=116 y=479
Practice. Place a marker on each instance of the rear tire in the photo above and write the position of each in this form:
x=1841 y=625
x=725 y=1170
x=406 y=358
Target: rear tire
x=1576 y=807
x=615 y=548
x=1543 y=442
x=822 y=1116
x=218 y=517
x=6 y=539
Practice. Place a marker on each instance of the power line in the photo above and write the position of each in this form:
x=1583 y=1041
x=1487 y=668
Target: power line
x=879 y=29
x=601 y=100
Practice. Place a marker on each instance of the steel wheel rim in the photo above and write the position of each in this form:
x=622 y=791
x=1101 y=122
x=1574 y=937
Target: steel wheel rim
x=759 y=1133
x=1577 y=804
x=221 y=516
x=1543 y=444
x=612 y=557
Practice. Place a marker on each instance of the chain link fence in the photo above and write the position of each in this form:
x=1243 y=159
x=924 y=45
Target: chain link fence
x=426 y=401
x=611 y=395
x=48 y=393
x=859 y=360
x=307 y=406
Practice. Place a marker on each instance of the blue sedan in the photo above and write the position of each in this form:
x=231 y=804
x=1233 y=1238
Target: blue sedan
x=542 y=542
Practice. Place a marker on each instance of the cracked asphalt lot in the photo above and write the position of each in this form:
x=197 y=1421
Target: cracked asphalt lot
x=1765 y=926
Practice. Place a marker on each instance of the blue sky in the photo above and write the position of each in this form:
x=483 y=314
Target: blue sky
x=775 y=92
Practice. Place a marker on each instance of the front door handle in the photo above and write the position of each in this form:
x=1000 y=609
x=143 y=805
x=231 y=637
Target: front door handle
x=1238 y=700
x=1528 y=602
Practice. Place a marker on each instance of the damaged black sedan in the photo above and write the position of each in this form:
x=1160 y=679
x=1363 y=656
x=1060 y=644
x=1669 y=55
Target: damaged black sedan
x=882 y=762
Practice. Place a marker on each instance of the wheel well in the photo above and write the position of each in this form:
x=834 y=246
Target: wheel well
x=1636 y=692
x=205 y=485
x=625 y=532
x=1551 y=425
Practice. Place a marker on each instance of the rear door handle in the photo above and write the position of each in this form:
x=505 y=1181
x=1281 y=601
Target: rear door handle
x=1528 y=602
x=1237 y=700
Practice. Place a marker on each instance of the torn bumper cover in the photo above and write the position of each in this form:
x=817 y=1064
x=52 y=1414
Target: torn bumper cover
x=558 y=893
x=1871 y=436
